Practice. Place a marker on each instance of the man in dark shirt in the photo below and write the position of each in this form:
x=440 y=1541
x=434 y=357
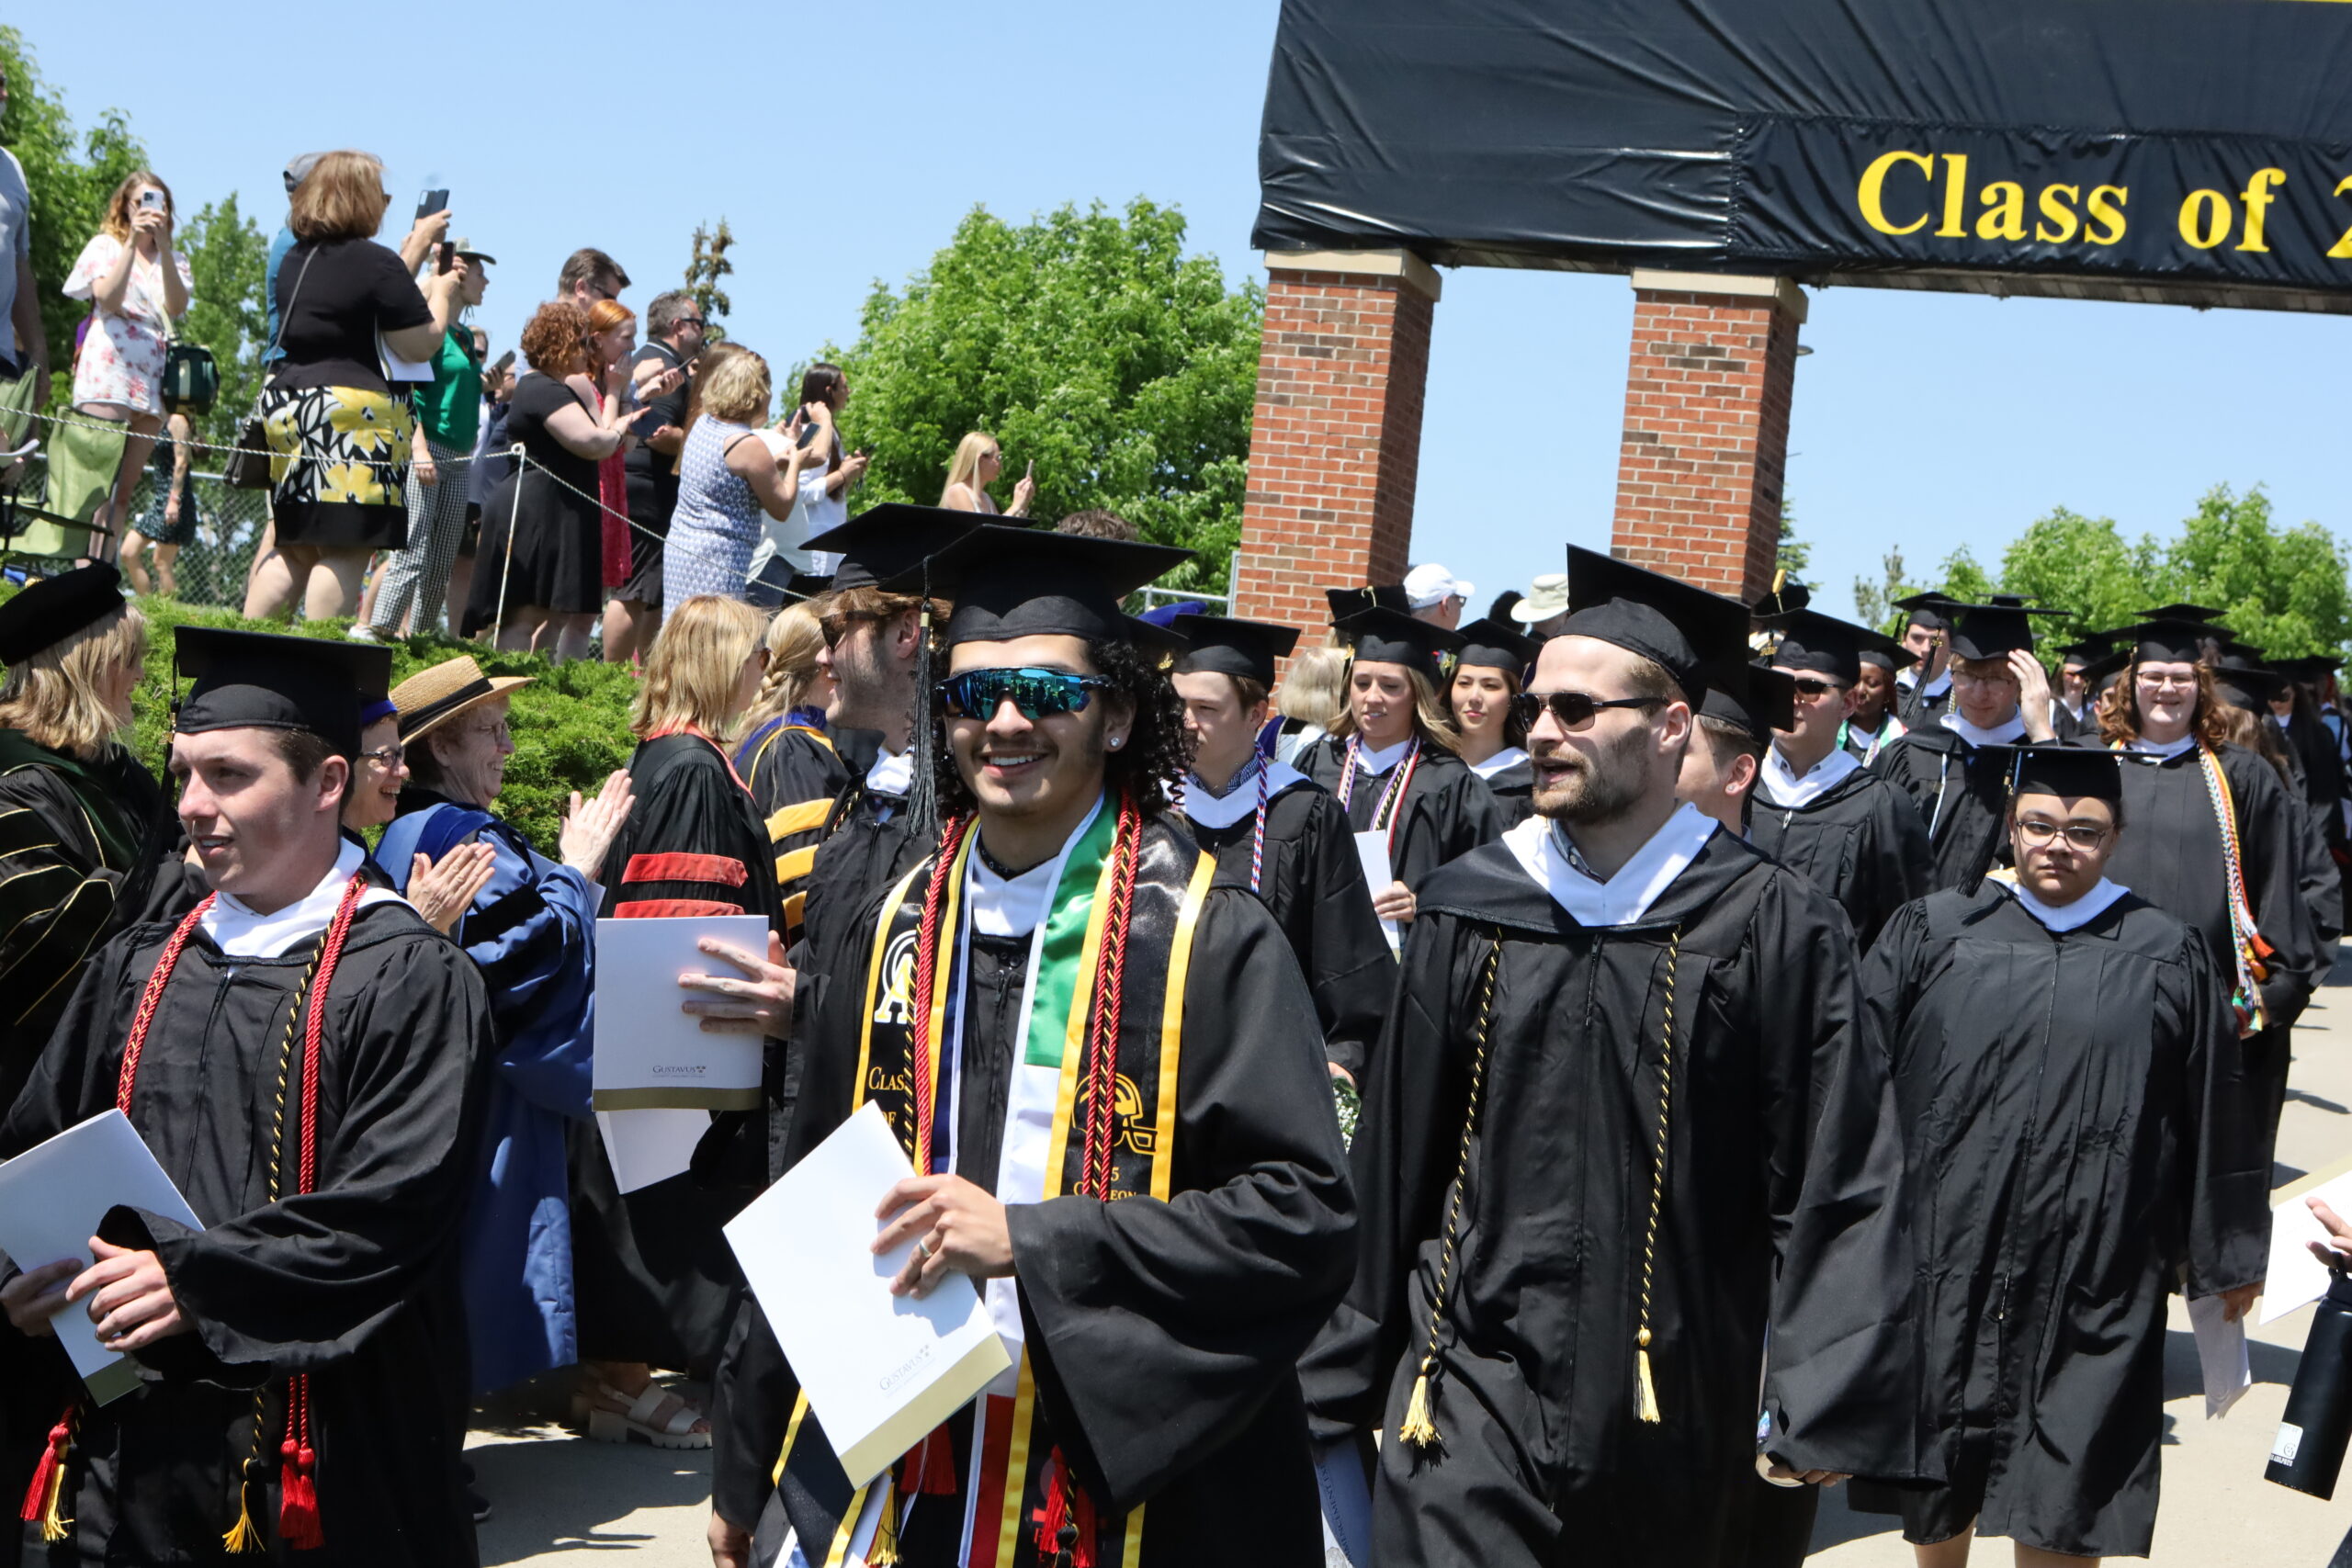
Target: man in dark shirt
x=673 y=331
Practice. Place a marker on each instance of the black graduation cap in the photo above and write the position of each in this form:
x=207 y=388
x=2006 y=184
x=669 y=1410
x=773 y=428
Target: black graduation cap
x=2100 y=672
x=1010 y=583
x=1756 y=699
x=1494 y=646
x=1890 y=657
x=1390 y=637
x=1932 y=611
x=1346 y=602
x=2183 y=613
x=1824 y=645
x=260 y=680
x=1993 y=629
x=2245 y=680
x=45 y=613
x=2170 y=640
x=2095 y=646
x=2308 y=666
x=1682 y=629
x=884 y=547
x=2048 y=767
x=1784 y=598
x=803 y=586
x=1244 y=648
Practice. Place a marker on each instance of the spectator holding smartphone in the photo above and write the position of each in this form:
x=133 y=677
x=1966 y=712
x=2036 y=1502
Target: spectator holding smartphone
x=828 y=473
x=674 y=329
x=137 y=285
x=979 y=460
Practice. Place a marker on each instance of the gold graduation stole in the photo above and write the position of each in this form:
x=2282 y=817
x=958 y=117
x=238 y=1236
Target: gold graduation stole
x=1105 y=1014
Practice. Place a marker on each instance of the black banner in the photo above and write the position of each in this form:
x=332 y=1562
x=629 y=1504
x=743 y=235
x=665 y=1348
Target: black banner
x=2199 y=147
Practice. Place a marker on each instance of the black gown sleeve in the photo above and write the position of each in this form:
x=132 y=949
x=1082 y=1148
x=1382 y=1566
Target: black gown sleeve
x=1347 y=961
x=691 y=848
x=2270 y=848
x=2225 y=1173
x=1904 y=866
x=56 y=901
x=1157 y=1330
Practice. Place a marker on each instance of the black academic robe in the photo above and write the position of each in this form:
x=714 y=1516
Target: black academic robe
x=1313 y=882
x=1960 y=792
x=2170 y=854
x=652 y=1275
x=1780 y=1208
x=1514 y=790
x=1860 y=742
x=1447 y=810
x=2073 y=1104
x=1921 y=711
x=1860 y=841
x=1162 y=1334
x=2317 y=874
x=796 y=778
x=354 y=1284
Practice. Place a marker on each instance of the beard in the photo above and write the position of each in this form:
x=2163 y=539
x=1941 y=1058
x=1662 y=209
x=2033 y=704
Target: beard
x=1601 y=788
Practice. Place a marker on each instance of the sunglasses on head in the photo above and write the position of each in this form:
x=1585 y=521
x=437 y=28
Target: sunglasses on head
x=1573 y=709
x=1038 y=694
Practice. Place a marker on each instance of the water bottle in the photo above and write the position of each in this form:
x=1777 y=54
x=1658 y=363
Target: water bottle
x=2312 y=1435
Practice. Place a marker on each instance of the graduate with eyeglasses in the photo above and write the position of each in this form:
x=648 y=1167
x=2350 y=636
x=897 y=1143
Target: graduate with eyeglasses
x=1622 y=1125
x=1124 y=1127
x=1391 y=761
x=1275 y=833
x=2074 y=1108
x=1817 y=809
x=2000 y=696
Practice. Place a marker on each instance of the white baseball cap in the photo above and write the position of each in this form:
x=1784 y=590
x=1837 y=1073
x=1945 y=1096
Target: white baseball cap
x=1431 y=583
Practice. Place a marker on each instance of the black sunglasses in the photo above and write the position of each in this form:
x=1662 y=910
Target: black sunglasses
x=1573 y=709
x=1813 y=690
x=1038 y=694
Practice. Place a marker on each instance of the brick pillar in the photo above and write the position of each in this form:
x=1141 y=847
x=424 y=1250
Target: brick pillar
x=1706 y=437
x=1336 y=441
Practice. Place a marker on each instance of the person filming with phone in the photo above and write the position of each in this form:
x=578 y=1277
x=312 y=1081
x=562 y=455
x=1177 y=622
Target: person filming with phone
x=980 y=459
x=137 y=285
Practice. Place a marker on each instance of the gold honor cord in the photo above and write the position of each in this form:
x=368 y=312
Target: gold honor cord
x=1646 y=1387
x=1418 y=1429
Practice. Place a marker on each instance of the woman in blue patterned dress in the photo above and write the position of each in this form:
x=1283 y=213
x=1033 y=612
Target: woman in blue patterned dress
x=729 y=480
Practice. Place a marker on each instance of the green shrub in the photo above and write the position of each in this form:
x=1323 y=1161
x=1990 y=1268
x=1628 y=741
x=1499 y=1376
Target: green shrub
x=570 y=725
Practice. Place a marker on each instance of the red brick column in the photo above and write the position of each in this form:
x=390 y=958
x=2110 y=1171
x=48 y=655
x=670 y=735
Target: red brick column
x=1336 y=439
x=1707 y=427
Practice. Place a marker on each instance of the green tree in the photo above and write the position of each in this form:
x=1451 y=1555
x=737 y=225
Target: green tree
x=1091 y=345
x=1875 y=602
x=1795 y=555
x=2083 y=566
x=70 y=177
x=2282 y=589
x=704 y=269
x=228 y=257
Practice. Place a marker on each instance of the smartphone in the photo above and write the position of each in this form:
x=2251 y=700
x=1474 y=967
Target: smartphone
x=151 y=201
x=430 y=202
x=866 y=451
x=445 y=257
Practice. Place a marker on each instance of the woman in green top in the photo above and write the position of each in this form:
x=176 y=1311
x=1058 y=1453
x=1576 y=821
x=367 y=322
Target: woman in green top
x=448 y=417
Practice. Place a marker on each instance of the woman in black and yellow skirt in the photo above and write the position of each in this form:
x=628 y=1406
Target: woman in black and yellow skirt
x=338 y=430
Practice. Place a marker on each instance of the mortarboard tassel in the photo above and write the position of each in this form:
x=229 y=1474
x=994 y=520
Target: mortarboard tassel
x=933 y=1462
x=1418 y=1429
x=884 y=1553
x=45 y=1498
x=1645 y=1389
x=244 y=1536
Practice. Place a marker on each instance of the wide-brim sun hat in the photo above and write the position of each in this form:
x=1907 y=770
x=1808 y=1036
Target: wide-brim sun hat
x=1547 y=597
x=431 y=698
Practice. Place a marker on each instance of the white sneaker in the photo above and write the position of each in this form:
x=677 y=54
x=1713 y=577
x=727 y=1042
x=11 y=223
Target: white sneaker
x=361 y=632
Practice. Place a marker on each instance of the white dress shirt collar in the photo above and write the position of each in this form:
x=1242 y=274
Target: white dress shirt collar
x=239 y=932
x=1781 y=786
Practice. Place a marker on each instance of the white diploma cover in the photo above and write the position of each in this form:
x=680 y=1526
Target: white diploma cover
x=880 y=1371
x=649 y=1054
x=1372 y=854
x=52 y=1198
x=2296 y=1279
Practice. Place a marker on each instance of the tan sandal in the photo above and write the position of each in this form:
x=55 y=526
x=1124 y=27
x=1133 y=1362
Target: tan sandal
x=637 y=1423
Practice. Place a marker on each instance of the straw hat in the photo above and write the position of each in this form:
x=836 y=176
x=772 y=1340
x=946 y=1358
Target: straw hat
x=431 y=697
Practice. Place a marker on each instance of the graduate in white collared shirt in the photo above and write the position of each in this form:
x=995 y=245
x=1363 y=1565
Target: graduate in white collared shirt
x=2073 y=1103
x=1621 y=1111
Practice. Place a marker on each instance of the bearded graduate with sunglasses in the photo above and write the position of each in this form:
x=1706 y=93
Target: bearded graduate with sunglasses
x=1817 y=809
x=1621 y=1123
x=2073 y=1104
x=1110 y=1077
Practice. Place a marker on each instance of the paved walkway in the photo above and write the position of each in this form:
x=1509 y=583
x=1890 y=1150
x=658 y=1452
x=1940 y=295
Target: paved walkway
x=563 y=1500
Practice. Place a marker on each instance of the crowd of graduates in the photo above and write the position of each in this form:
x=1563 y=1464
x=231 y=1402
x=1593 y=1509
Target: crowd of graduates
x=1775 y=1053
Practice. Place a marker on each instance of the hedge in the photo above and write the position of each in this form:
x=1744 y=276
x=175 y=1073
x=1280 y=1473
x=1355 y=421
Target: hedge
x=570 y=725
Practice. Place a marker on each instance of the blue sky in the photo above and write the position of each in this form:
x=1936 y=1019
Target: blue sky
x=844 y=143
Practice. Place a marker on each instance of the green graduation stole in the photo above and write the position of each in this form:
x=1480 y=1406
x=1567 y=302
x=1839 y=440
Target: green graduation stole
x=1105 y=1014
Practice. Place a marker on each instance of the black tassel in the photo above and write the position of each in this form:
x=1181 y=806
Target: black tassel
x=922 y=791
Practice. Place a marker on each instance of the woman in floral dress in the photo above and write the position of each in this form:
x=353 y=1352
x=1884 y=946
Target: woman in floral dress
x=339 y=433
x=137 y=285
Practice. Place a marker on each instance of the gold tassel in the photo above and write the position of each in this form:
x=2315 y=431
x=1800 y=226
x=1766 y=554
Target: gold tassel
x=1418 y=1429
x=54 y=1525
x=885 y=1553
x=244 y=1536
x=1645 y=1390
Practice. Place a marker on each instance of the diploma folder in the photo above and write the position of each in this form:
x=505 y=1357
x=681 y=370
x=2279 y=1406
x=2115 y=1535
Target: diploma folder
x=880 y=1371
x=649 y=1054
x=53 y=1199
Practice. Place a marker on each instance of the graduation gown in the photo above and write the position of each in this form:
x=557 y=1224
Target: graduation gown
x=1161 y=1333
x=1867 y=746
x=1313 y=883
x=795 y=777
x=1918 y=711
x=1513 y=787
x=1860 y=841
x=354 y=1284
x=1960 y=796
x=1780 y=1208
x=654 y=1276
x=2170 y=854
x=2073 y=1106
x=1447 y=810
